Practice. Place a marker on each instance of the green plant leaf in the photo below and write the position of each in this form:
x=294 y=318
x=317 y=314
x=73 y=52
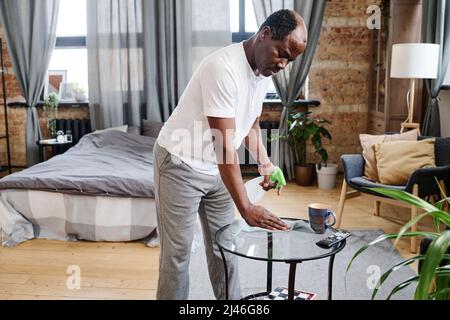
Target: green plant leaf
x=389 y=236
x=442 y=284
x=325 y=133
x=402 y=286
x=446 y=267
x=300 y=115
x=293 y=125
x=323 y=154
x=437 y=224
x=442 y=216
x=444 y=273
x=312 y=128
x=444 y=293
x=306 y=135
x=408 y=225
x=441 y=203
x=433 y=257
x=443 y=195
x=406 y=198
x=398 y=266
x=316 y=142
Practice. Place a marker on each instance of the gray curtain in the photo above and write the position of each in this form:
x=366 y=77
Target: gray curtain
x=290 y=81
x=29 y=27
x=167 y=34
x=209 y=34
x=436 y=29
x=115 y=61
x=138 y=57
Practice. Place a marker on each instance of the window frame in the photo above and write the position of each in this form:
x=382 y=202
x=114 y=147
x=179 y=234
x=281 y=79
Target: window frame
x=241 y=35
x=75 y=42
x=69 y=42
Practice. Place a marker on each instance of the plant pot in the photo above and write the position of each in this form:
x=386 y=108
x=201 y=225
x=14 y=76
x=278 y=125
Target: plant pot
x=326 y=176
x=304 y=176
x=81 y=96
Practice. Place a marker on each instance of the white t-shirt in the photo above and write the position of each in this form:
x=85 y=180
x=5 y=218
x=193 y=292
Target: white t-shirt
x=223 y=86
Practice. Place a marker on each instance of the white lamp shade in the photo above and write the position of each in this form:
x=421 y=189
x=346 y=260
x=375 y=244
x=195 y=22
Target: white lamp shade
x=415 y=60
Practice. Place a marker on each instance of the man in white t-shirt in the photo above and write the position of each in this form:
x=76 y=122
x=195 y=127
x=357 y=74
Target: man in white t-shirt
x=196 y=164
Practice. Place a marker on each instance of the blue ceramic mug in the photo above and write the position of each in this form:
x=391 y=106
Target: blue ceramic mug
x=319 y=216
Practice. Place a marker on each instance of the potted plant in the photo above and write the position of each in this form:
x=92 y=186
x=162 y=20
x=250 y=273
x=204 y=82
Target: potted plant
x=326 y=171
x=80 y=93
x=50 y=108
x=433 y=280
x=302 y=128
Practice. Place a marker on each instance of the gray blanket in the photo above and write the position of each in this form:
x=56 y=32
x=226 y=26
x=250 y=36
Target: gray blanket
x=109 y=163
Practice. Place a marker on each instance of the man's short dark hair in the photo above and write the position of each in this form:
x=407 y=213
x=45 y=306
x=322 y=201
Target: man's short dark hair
x=281 y=23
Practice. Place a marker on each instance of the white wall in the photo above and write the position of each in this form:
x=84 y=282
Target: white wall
x=444 y=109
x=447 y=77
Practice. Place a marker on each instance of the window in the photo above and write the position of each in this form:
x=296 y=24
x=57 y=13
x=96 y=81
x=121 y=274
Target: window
x=243 y=20
x=70 y=54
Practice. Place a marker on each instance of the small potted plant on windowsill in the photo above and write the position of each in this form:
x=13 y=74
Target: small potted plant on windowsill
x=50 y=108
x=302 y=128
x=80 y=93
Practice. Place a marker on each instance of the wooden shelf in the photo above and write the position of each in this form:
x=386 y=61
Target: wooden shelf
x=40 y=104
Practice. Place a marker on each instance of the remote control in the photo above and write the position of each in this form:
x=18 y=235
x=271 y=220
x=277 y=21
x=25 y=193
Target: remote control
x=331 y=240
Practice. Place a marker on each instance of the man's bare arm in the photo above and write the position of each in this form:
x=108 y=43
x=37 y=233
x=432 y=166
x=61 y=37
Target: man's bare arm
x=228 y=163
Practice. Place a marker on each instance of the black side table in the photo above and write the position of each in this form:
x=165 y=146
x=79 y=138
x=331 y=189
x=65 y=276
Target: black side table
x=50 y=143
x=292 y=247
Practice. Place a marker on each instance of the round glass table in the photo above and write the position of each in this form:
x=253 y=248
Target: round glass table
x=296 y=245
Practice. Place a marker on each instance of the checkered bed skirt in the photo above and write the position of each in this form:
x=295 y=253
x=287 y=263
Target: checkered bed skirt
x=27 y=214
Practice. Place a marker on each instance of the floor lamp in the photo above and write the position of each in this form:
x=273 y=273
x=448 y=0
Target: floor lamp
x=414 y=61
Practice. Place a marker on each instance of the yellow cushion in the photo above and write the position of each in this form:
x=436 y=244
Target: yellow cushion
x=367 y=143
x=397 y=160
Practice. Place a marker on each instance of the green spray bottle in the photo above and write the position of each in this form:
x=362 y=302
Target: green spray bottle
x=278 y=177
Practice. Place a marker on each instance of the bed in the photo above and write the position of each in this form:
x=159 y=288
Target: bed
x=99 y=190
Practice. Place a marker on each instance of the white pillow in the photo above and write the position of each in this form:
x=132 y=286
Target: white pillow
x=123 y=128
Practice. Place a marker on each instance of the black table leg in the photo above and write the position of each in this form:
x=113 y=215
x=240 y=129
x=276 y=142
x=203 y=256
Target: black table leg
x=269 y=261
x=291 y=287
x=226 y=271
x=41 y=153
x=330 y=277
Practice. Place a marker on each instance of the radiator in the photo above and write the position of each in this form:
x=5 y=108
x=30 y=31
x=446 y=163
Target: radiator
x=268 y=129
x=79 y=127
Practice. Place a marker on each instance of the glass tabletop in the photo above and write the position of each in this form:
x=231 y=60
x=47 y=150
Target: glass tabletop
x=296 y=244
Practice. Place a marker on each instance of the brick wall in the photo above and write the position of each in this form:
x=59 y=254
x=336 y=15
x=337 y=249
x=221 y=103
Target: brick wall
x=339 y=75
x=17 y=116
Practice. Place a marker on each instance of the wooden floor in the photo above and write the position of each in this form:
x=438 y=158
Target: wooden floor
x=37 y=269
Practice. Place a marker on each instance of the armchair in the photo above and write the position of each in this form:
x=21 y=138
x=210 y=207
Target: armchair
x=421 y=183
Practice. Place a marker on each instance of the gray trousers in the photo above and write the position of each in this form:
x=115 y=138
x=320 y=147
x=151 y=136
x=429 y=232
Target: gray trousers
x=180 y=194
